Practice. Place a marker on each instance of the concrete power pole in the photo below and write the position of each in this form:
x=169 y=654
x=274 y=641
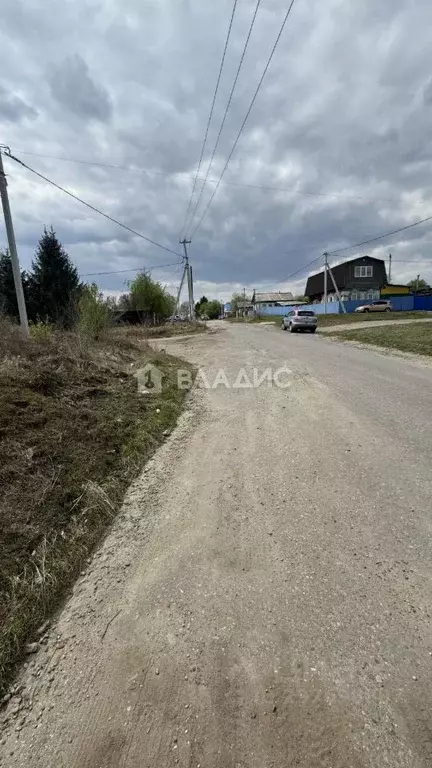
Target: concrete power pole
x=177 y=307
x=341 y=304
x=192 y=300
x=244 y=303
x=390 y=266
x=188 y=273
x=13 y=250
x=325 y=281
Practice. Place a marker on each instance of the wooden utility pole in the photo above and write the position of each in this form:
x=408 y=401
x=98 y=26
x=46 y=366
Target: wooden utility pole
x=13 y=249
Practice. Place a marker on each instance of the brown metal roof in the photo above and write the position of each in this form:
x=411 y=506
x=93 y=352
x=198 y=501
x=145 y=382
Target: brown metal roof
x=274 y=296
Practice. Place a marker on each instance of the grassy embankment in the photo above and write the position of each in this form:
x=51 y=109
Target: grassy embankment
x=74 y=433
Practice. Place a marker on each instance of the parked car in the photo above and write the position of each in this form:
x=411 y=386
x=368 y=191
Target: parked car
x=375 y=306
x=300 y=320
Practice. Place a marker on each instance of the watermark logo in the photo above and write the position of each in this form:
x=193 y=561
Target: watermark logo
x=254 y=378
x=149 y=379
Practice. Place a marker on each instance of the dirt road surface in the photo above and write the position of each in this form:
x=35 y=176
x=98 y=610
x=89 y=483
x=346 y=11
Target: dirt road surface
x=264 y=600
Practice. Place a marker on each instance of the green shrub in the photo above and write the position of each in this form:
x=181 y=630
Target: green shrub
x=41 y=331
x=94 y=313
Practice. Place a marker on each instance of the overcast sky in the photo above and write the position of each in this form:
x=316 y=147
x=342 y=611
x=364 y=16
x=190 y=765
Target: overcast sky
x=344 y=113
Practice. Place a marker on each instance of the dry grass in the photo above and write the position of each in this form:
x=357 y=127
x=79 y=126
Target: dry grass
x=139 y=333
x=74 y=432
x=175 y=329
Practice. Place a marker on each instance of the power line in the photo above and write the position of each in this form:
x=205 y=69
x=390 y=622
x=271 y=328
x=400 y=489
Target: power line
x=305 y=266
x=210 y=115
x=381 y=237
x=134 y=269
x=265 y=187
x=92 y=207
x=246 y=117
x=226 y=110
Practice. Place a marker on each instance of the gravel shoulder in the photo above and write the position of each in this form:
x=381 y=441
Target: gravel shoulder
x=264 y=598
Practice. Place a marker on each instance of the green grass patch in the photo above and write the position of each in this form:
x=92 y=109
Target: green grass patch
x=74 y=433
x=415 y=338
x=325 y=321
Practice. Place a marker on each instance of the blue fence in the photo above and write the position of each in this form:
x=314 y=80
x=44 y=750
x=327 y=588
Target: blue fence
x=423 y=303
x=399 y=304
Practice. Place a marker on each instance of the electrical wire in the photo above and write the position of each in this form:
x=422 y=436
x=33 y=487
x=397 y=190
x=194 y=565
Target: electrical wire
x=92 y=207
x=252 y=24
x=210 y=115
x=245 y=119
x=215 y=181
x=134 y=269
x=305 y=266
x=381 y=237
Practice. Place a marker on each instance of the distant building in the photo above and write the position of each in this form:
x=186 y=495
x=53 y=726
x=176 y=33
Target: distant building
x=273 y=299
x=361 y=278
x=244 y=308
x=391 y=289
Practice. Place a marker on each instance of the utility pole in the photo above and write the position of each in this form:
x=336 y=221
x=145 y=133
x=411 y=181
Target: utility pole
x=325 y=281
x=341 y=304
x=192 y=292
x=418 y=282
x=188 y=271
x=179 y=292
x=244 y=303
x=390 y=266
x=13 y=249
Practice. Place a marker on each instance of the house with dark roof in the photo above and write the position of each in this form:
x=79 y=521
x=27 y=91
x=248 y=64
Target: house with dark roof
x=361 y=278
x=272 y=299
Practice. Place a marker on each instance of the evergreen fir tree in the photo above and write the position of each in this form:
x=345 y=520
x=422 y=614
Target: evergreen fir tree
x=8 y=301
x=54 y=283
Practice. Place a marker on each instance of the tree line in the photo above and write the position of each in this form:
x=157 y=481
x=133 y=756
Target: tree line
x=51 y=288
x=55 y=295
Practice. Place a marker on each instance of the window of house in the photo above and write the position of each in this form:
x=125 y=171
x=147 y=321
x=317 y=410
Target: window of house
x=363 y=270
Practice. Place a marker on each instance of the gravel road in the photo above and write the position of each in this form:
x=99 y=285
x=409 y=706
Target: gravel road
x=264 y=599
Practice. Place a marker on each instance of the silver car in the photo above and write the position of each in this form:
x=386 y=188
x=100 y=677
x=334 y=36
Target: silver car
x=375 y=306
x=300 y=320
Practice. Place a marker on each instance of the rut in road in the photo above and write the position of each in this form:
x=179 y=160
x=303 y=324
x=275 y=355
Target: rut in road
x=256 y=604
